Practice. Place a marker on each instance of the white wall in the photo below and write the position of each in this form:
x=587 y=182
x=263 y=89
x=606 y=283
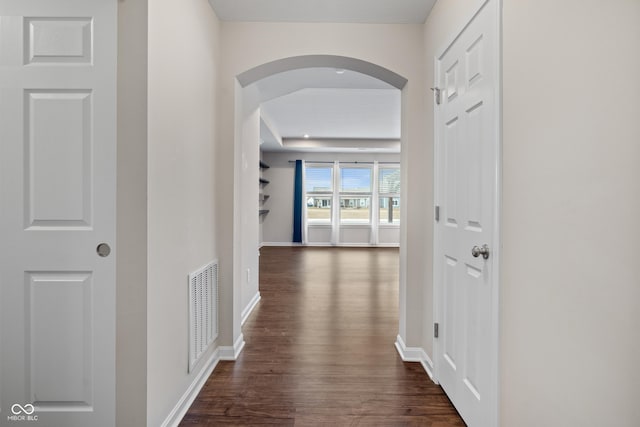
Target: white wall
x=131 y=220
x=248 y=137
x=248 y=45
x=571 y=286
x=183 y=66
x=278 y=223
x=570 y=291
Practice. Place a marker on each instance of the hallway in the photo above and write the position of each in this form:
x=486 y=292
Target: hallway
x=319 y=349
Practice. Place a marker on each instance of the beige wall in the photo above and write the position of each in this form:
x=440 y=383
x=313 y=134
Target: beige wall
x=131 y=345
x=396 y=47
x=248 y=175
x=571 y=289
x=570 y=293
x=183 y=64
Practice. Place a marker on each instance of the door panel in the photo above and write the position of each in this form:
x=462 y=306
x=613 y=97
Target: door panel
x=57 y=192
x=59 y=337
x=467 y=143
x=58 y=149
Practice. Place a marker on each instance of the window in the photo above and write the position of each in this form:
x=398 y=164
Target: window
x=344 y=200
x=319 y=189
x=355 y=195
x=389 y=195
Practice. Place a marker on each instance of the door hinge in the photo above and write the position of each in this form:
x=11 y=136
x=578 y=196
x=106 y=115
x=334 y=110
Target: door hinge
x=437 y=213
x=435 y=330
x=436 y=93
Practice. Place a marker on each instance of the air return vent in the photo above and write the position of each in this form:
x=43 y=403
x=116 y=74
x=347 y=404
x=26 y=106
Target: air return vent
x=203 y=311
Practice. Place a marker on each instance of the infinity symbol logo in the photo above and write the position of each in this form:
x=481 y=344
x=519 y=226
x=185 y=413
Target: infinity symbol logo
x=27 y=409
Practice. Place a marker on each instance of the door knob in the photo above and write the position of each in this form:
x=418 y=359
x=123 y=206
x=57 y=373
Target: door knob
x=103 y=250
x=477 y=251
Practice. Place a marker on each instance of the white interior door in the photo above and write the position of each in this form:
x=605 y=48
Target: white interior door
x=57 y=198
x=467 y=173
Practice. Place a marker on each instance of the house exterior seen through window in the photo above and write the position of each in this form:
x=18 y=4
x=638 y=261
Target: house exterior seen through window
x=347 y=192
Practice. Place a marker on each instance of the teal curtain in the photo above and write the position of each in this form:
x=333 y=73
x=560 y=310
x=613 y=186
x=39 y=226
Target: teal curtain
x=297 y=204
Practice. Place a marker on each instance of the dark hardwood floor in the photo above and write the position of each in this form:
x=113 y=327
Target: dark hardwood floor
x=320 y=349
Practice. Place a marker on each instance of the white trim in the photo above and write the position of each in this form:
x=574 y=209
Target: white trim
x=374 y=214
x=180 y=409
x=283 y=244
x=303 y=232
x=232 y=353
x=415 y=354
x=249 y=308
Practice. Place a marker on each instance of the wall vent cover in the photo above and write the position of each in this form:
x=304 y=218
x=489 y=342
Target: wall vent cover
x=203 y=311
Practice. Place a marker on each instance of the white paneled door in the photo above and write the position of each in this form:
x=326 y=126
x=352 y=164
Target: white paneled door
x=467 y=176
x=57 y=212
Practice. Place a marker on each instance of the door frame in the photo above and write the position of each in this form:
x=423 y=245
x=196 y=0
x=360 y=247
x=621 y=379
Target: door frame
x=496 y=5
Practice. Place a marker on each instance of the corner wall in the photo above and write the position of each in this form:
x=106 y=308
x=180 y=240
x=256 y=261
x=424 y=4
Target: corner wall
x=131 y=216
x=183 y=69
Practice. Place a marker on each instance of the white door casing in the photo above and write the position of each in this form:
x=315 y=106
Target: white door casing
x=467 y=174
x=57 y=198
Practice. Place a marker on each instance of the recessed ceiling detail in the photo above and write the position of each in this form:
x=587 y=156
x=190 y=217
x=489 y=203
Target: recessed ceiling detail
x=339 y=112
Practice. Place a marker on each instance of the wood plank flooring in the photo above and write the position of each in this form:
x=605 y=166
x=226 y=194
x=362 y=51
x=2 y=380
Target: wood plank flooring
x=320 y=349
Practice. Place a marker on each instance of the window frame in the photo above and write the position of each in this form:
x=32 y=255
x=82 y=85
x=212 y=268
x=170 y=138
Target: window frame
x=324 y=194
x=356 y=194
x=387 y=195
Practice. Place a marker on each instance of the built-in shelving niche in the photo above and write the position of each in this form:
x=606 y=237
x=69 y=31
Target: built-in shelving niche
x=262 y=196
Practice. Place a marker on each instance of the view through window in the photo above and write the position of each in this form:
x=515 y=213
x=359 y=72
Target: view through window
x=353 y=189
x=319 y=189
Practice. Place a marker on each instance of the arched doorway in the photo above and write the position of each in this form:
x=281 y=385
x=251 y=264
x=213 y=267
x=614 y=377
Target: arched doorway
x=246 y=122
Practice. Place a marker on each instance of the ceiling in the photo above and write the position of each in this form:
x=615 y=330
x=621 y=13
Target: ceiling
x=347 y=11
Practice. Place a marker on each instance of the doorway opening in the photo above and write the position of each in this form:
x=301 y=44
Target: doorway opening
x=252 y=123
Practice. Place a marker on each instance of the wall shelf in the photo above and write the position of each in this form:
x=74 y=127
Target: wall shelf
x=262 y=197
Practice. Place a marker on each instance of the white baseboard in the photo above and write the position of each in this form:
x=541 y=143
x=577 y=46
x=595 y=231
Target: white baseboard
x=232 y=353
x=183 y=405
x=415 y=354
x=280 y=244
x=249 y=308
